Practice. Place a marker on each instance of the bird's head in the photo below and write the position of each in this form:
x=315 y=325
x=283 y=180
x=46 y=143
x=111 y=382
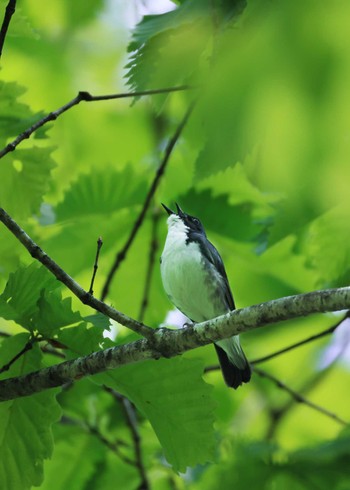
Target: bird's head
x=175 y=219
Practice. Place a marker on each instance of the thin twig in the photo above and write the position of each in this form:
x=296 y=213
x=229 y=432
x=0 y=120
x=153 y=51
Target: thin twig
x=153 y=247
x=86 y=298
x=10 y=10
x=99 y=245
x=92 y=429
x=277 y=414
x=81 y=97
x=25 y=349
x=131 y=420
x=161 y=169
x=298 y=397
x=328 y=331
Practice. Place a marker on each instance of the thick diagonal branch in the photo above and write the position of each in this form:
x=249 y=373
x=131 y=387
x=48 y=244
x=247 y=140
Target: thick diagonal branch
x=37 y=253
x=169 y=343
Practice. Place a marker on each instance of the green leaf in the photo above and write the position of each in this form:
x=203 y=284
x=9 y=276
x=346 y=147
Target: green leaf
x=20 y=25
x=24 y=180
x=167 y=48
x=31 y=299
x=81 y=339
x=75 y=459
x=15 y=116
x=178 y=403
x=22 y=292
x=327 y=246
x=25 y=423
x=53 y=313
x=102 y=192
x=99 y=320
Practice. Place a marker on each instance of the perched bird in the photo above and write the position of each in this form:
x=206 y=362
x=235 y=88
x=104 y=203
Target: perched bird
x=195 y=280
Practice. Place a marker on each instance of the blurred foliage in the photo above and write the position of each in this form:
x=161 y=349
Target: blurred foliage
x=263 y=161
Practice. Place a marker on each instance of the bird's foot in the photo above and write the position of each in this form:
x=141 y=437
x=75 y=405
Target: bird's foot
x=188 y=324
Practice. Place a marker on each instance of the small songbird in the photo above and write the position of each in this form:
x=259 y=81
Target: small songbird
x=195 y=280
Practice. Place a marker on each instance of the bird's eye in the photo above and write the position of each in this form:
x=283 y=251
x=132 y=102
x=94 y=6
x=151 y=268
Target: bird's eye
x=195 y=221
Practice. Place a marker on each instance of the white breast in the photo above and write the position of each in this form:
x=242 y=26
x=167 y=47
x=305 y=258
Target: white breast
x=188 y=283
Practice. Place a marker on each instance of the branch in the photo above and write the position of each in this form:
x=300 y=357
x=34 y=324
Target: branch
x=99 y=245
x=328 y=331
x=130 y=417
x=26 y=348
x=277 y=414
x=161 y=169
x=170 y=343
x=298 y=397
x=92 y=429
x=10 y=10
x=81 y=97
x=86 y=298
x=153 y=247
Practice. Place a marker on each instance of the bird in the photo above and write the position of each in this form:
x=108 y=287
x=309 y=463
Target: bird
x=195 y=281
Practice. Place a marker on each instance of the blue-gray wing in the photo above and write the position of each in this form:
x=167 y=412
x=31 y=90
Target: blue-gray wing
x=214 y=258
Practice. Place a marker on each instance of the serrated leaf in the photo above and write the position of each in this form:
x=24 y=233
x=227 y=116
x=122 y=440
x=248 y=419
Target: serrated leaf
x=327 y=247
x=100 y=192
x=24 y=180
x=163 y=43
x=178 y=403
x=23 y=291
x=25 y=423
x=20 y=25
x=81 y=339
x=15 y=116
x=99 y=320
x=53 y=313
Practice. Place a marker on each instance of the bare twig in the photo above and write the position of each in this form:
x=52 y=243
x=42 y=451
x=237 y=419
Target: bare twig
x=277 y=414
x=92 y=429
x=10 y=10
x=153 y=247
x=63 y=277
x=25 y=349
x=81 y=97
x=161 y=169
x=113 y=446
x=328 y=331
x=298 y=397
x=131 y=420
x=99 y=245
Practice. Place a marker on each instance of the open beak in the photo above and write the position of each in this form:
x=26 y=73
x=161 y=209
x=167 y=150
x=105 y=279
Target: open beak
x=179 y=210
x=168 y=210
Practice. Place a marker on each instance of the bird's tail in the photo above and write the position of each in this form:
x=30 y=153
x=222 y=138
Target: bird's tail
x=233 y=362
